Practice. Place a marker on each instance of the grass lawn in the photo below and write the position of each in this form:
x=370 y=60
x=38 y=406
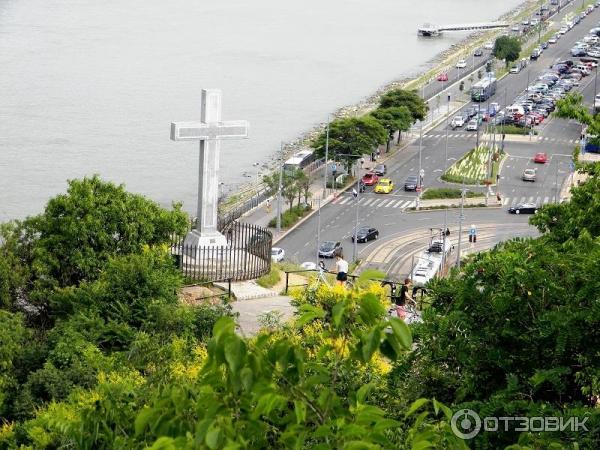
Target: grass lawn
x=472 y=168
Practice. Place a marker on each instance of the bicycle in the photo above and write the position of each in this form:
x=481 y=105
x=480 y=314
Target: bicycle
x=322 y=278
x=408 y=312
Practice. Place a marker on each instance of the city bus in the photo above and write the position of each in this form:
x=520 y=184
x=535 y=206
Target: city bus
x=298 y=161
x=483 y=89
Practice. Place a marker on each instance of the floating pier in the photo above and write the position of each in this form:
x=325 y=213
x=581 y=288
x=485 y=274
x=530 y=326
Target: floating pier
x=429 y=29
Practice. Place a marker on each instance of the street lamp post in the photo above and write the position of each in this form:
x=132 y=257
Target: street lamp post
x=279 y=189
x=357 y=196
x=447 y=126
x=460 y=221
x=595 y=91
x=326 y=159
x=420 y=164
x=318 y=228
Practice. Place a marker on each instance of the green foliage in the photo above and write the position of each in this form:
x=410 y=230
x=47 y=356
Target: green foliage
x=81 y=230
x=410 y=99
x=435 y=193
x=394 y=119
x=271 y=279
x=291 y=216
x=513 y=129
x=354 y=136
x=507 y=48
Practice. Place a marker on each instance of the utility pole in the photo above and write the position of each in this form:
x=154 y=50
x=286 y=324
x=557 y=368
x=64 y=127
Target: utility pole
x=478 y=119
x=444 y=239
x=595 y=91
x=280 y=188
x=318 y=228
x=420 y=162
x=357 y=196
x=460 y=221
x=556 y=182
x=326 y=158
x=447 y=127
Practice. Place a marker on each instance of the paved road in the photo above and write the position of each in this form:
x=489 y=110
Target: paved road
x=387 y=212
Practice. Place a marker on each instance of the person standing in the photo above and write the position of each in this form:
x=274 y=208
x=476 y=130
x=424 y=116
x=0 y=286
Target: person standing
x=341 y=267
x=403 y=298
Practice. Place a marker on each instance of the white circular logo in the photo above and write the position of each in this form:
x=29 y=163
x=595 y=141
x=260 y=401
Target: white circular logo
x=466 y=423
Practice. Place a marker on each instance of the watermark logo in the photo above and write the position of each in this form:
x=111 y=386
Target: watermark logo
x=466 y=424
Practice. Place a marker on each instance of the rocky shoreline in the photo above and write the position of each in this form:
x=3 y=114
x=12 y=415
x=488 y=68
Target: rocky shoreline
x=370 y=103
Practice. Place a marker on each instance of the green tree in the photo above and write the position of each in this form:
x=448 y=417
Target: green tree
x=507 y=48
x=393 y=119
x=353 y=136
x=402 y=97
x=80 y=230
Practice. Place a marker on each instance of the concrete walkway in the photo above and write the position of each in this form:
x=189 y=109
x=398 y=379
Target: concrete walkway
x=250 y=312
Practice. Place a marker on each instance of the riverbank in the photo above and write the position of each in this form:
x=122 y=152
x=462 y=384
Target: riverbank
x=423 y=76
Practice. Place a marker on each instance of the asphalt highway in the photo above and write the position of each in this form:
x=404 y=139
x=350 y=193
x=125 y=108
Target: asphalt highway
x=388 y=213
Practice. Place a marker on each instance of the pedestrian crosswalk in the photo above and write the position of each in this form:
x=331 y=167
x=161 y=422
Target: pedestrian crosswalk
x=539 y=200
x=376 y=202
x=557 y=140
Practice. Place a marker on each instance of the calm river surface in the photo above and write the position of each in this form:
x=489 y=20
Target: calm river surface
x=91 y=86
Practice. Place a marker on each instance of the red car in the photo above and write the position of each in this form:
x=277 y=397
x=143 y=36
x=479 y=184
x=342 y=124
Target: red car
x=370 y=179
x=540 y=158
x=442 y=77
x=537 y=117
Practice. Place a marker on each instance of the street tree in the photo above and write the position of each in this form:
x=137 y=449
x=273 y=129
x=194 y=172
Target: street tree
x=507 y=48
x=353 y=136
x=393 y=119
x=402 y=97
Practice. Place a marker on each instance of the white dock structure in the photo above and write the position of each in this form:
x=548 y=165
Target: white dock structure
x=429 y=29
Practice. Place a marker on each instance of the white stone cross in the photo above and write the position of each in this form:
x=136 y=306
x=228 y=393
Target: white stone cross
x=209 y=131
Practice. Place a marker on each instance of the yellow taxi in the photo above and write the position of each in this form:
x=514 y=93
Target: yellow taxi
x=385 y=186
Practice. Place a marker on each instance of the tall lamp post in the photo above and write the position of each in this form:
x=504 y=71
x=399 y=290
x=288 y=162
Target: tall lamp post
x=447 y=125
x=279 y=189
x=460 y=221
x=326 y=159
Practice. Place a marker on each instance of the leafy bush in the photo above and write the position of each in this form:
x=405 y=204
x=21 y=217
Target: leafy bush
x=436 y=193
x=291 y=216
x=513 y=129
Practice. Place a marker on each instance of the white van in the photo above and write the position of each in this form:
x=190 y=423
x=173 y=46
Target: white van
x=515 y=109
x=583 y=69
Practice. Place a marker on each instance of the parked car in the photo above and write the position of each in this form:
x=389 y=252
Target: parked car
x=385 y=186
x=478 y=52
x=411 y=183
x=461 y=64
x=540 y=158
x=308 y=265
x=489 y=45
x=277 y=254
x=370 y=179
x=515 y=69
x=380 y=169
x=552 y=40
x=523 y=208
x=365 y=234
x=528 y=175
x=330 y=249
x=535 y=54
x=442 y=77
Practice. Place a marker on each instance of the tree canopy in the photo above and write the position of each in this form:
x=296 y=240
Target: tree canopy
x=393 y=119
x=355 y=136
x=410 y=99
x=127 y=365
x=507 y=48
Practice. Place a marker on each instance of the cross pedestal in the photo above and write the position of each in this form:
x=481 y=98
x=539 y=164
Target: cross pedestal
x=209 y=131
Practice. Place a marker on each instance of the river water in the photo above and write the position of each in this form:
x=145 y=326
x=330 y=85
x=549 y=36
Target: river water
x=92 y=86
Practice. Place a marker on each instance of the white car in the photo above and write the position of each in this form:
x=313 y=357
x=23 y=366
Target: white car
x=461 y=64
x=552 y=40
x=489 y=45
x=308 y=265
x=457 y=121
x=515 y=69
x=472 y=125
x=277 y=254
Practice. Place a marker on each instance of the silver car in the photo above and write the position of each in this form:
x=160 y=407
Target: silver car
x=529 y=175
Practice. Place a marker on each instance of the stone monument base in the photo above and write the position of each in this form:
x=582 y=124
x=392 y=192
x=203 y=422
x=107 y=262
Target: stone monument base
x=197 y=239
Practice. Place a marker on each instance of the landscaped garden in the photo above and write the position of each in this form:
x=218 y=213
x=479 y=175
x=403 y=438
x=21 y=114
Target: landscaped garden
x=473 y=167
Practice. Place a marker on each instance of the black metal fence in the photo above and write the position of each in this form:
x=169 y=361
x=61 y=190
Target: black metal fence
x=247 y=255
x=242 y=209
